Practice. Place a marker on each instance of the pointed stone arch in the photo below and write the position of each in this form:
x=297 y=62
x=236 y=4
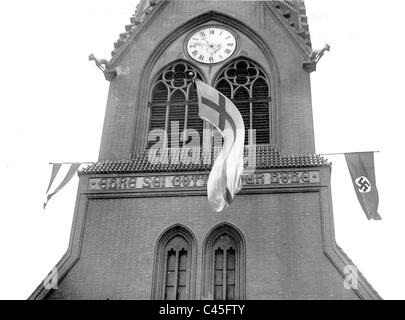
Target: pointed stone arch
x=172 y=98
x=222 y=242
x=146 y=77
x=178 y=243
x=248 y=85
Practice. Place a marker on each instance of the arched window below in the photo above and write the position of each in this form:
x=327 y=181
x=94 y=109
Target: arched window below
x=174 y=267
x=224 y=264
x=225 y=268
x=174 y=271
x=177 y=269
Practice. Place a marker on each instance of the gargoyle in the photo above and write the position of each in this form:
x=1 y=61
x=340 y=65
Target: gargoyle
x=317 y=54
x=102 y=64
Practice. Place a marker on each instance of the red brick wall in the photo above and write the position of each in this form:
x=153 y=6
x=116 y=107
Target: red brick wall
x=262 y=37
x=283 y=246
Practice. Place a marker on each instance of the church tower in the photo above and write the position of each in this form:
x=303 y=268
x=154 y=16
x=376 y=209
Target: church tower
x=144 y=229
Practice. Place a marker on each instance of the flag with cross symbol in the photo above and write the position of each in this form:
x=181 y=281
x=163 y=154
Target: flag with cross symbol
x=224 y=181
x=361 y=167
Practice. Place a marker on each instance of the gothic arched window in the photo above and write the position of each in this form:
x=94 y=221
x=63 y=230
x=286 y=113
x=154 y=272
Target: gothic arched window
x=173 y=101
x=224 y=264
x=246 y=84
x=174 y=273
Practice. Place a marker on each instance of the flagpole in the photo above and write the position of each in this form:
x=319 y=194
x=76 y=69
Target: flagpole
x=192 y=75
x=342 y=153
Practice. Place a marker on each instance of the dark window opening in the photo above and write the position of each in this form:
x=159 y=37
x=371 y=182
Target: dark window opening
x=248 y=87
x=174 y=106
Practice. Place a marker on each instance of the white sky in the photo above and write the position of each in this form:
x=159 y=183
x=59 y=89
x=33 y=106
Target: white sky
x=52 y=109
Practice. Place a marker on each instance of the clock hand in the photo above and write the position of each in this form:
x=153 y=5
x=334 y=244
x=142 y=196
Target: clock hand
x=218 y=47
x=211 y=49
x=198 y=44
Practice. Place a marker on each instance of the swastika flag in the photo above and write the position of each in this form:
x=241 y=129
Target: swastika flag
x=361 y=167
x=224 y=180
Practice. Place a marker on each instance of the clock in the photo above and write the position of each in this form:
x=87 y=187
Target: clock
x=211 y=45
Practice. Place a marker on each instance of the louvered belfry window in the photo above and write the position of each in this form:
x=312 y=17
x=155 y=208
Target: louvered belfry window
x=174 y=100
x=248 y=87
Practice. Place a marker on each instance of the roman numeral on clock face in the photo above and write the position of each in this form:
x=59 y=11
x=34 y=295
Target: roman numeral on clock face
x=211 y=45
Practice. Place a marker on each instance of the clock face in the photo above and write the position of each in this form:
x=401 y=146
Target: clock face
x=211 y=45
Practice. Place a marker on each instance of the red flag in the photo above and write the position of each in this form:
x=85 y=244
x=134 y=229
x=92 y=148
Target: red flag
x=361 y=167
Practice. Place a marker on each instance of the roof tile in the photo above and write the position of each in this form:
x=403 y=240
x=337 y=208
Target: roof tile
x=266 y=158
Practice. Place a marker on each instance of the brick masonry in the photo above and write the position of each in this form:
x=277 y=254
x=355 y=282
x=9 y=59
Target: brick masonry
x=283 y=246
x=291 y=251
x=288 y=230
x=262 y=37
